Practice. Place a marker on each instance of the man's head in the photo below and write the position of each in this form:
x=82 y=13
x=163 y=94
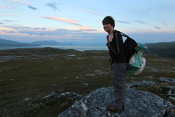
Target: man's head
x=108 y=23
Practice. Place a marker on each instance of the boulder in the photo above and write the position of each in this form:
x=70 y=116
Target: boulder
x=145 y=83
x=166 y=79
x=138 y=103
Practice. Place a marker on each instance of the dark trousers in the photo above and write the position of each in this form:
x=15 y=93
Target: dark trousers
x=119 y=82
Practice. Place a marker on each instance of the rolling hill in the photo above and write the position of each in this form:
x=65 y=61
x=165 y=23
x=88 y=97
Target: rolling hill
x=163 y=49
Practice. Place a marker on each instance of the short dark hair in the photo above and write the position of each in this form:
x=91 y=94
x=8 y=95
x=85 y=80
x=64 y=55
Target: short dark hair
x=109 y=20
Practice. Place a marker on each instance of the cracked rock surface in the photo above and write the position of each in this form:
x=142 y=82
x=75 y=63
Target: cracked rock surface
x=137 y=104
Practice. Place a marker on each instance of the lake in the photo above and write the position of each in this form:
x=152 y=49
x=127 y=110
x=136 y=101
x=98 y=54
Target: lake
x=76 y=47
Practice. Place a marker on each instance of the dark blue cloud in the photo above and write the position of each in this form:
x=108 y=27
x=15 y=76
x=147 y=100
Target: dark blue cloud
x=52 y=5
x=32 y=7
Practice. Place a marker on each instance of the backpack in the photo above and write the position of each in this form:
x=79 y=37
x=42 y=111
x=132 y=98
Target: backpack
x=134 y=54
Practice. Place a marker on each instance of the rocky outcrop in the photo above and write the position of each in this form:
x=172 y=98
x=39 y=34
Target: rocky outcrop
x=169 y=80
x=137 y=104
x=144 y=83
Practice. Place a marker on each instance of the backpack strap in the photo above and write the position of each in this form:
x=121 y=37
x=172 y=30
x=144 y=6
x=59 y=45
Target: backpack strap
x=123 y=34
x=116 y=35
x=118 y=41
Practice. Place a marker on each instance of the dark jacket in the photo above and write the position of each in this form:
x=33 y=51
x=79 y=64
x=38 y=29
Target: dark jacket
x=116 y=48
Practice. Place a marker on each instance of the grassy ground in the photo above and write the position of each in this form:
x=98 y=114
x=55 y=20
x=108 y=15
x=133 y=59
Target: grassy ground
x=42 y=71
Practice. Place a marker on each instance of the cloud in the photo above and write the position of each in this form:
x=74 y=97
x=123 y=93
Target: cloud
x=123 y=22
x=71 y=21
x=66 y=20
x=92 y=12
x=164 y=23
x=25 y=33
x=7 y=20
x=7 y=29
x=157 y=27
x=6 y=14
x=5 y=7
x=87 y=28
x=31 y=7
x=38 y=33
x=26 y=3
x=52 y=5
x=140 y=22
x=21 y=2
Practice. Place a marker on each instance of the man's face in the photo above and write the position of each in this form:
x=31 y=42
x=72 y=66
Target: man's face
x=107 y=27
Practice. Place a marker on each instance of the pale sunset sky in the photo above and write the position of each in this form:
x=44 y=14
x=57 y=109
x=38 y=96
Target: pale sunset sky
x=80 y=20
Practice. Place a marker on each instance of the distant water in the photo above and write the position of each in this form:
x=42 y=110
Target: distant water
x=76 y=47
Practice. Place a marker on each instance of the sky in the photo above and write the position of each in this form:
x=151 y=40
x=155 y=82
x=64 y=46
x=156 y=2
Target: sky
x=79 y=20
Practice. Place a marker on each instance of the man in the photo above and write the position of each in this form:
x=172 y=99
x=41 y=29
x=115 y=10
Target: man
x=118 y=63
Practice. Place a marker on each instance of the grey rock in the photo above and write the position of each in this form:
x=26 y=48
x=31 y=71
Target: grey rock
x=90 y=74
x=85 y=84
x=169 y=80
x=141 y=83
x=100 y=72
x=168 y=92
x=71 y=55
x=27 y=99
x=54 y=95
x=137 y=104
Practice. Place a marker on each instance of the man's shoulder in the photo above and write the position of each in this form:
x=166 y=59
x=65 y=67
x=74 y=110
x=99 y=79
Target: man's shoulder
x=115 y=30
x=121 y=33
x=116 y=33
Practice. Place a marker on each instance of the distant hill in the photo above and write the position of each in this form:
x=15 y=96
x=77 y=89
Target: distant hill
x=50 y=42
x=10 y=43
x=75 y=42
x=47 y=42
x=163 y=49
